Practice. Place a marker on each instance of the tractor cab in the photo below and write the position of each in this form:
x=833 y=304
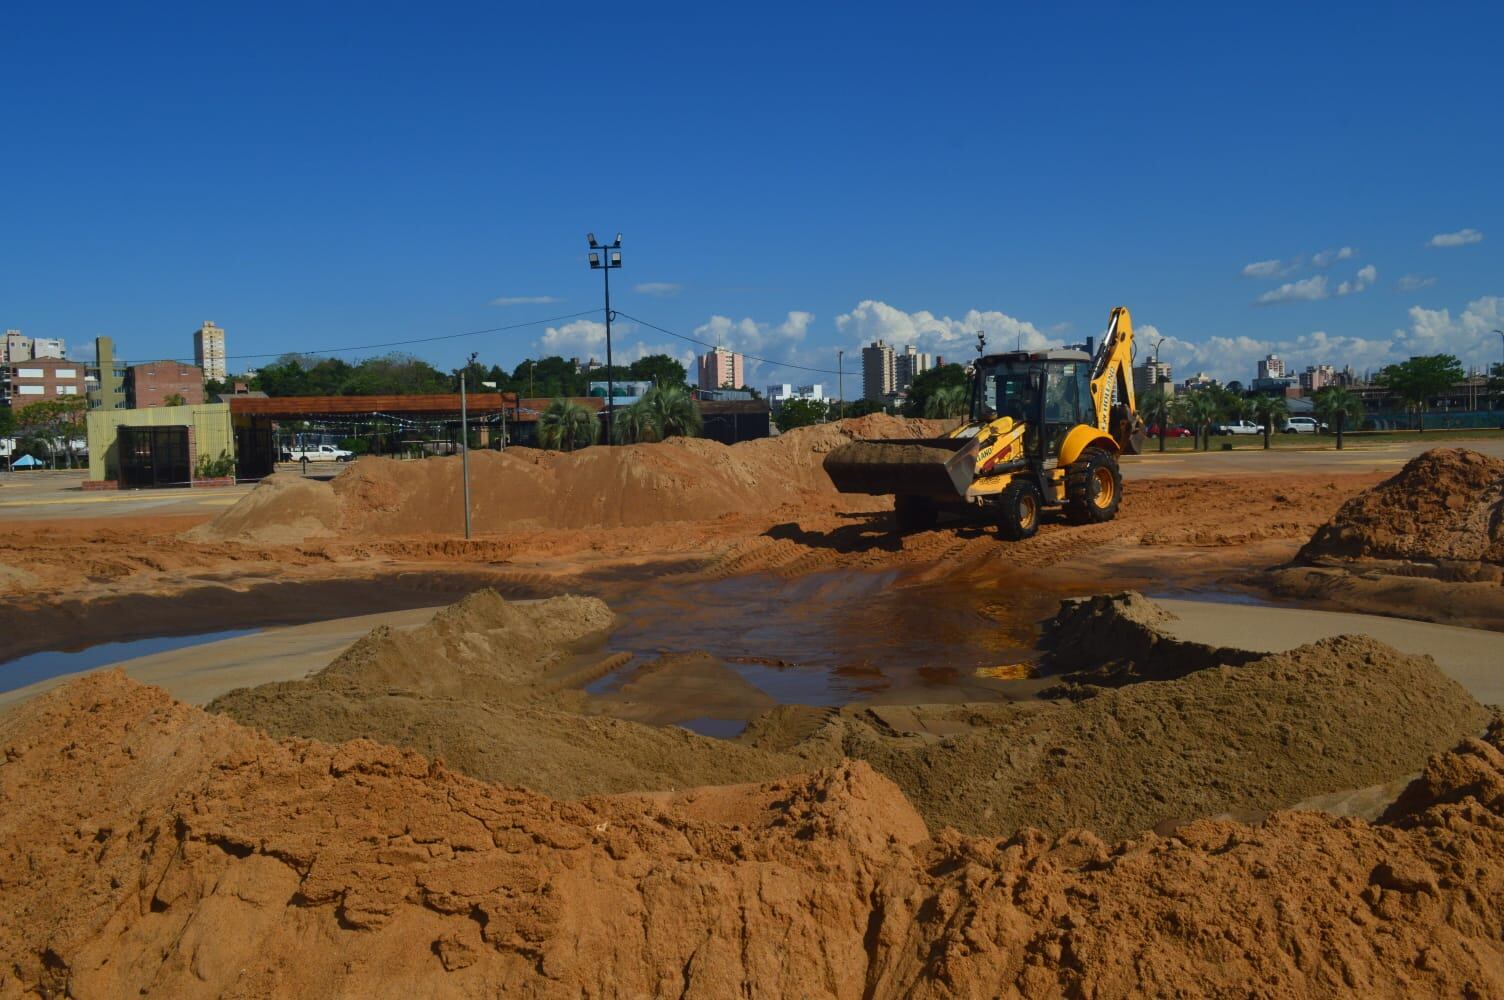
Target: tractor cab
x=1049 y=392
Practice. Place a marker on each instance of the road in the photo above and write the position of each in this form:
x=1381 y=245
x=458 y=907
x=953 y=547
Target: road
x=1376 y=458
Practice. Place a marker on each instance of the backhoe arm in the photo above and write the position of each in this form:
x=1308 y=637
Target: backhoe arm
x=1112 y=383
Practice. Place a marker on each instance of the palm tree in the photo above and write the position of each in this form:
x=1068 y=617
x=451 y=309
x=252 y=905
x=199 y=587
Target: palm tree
x=1156 y=403
x=1198 y=410
x=671 y=411
x=946 y=402
x=634 y=425
x=567 y=425
x=1337 y=405
x=1268 y=409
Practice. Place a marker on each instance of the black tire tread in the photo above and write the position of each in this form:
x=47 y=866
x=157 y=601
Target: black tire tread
x=1078 y=507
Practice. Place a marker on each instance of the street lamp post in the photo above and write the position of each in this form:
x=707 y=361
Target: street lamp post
x=841 y=384
x=603 y=259
x=1159 y=381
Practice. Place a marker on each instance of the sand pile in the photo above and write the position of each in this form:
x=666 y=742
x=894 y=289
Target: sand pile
x=1340 y=714
x=1427 y=543
x=678 y=480
x=1445 y=506
x=479 y=687
x=492 y=688
x=151 y=847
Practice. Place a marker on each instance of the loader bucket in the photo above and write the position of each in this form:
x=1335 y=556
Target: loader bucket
x=934 y=467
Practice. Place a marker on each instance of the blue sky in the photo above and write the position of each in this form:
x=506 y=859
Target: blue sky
x=789 y=179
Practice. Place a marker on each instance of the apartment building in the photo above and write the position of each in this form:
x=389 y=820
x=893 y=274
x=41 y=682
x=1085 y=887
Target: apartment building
x=209 y=350
x=150 y=384
x=721 y=368
x=35 y=379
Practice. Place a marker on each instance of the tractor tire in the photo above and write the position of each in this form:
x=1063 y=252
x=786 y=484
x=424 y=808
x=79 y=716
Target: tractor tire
x=1019 y=506
x=915 y=513
x=1093 y=488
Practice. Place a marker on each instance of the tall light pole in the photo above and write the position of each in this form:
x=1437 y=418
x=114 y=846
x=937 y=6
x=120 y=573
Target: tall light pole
x=603 y=259
x=1159 y=382
x=840 y=384
x=465 y=453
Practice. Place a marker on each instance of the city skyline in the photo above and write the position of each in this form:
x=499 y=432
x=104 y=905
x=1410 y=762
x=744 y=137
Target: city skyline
x=780 y=214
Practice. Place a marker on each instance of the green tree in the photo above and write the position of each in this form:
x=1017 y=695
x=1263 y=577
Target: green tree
x=1198 y=410
x=51 y=425
x=1268 y=409
x=927 y=383
x=566 y=425
x=7 y=421
x=800 y=413
x=856 y=408
x=634 y=425
x=1417 y=380
x=1155 y=403
x=946 y=402
x=672 y=411
x=1338 y=405
x=174 y=399
x=660 y=369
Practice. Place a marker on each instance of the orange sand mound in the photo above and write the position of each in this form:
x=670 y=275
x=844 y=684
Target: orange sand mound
x=148 y=847
x=682 y=479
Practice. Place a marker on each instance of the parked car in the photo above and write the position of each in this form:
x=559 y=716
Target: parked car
x=1170 y=432
x=320 y=453
x=1240 y=427
x=1305 y=425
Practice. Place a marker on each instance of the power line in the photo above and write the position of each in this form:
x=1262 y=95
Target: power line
x=392 y=343
x=706 y=343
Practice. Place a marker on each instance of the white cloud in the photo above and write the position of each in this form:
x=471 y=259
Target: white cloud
x=581 y=338
x=1305 y=290
x=1326 y=257
x=1366 y=276
x=1414 y=283
x=1469 y=336
x=1267 y=269
x=525 y=300
x=658 y=289
x=1460 y=238
x=952 y=338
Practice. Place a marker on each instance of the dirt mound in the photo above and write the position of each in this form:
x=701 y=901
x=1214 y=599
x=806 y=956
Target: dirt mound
x=476 y=687
x=1445 y=505
x=1338 y=714
x=284 y=508
x=150 y=847
x=1427 y=543
x=683 y=479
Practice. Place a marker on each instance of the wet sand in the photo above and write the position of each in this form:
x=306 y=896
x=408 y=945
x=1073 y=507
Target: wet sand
x=1473 y=658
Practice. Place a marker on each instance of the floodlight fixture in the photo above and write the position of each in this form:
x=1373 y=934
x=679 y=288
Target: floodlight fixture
x=616 y=258
x=591 y=238
x=595 y=261
x=618 y=240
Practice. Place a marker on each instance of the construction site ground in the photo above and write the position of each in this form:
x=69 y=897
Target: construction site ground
x=625 y=746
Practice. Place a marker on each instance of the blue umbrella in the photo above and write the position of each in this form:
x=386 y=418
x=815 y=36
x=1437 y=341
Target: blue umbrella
x=25 y=462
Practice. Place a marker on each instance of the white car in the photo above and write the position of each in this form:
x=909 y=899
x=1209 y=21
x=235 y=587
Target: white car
x=321 y=453
x=1304 y=425
x=1240 y=427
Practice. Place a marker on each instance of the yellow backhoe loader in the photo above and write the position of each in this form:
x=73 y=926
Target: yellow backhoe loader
x=1045 y=429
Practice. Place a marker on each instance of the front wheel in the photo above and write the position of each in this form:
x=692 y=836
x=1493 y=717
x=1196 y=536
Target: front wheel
x=1018 y=510
x=1093 y=487
x=915 y=513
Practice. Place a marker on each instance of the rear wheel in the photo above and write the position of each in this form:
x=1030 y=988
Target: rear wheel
x=1093 y=487
x=1018 y=510
x=915 y=513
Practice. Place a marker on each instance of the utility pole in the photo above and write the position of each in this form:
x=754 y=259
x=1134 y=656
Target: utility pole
x=465 y=452
x=604 y=264
x=532 y=391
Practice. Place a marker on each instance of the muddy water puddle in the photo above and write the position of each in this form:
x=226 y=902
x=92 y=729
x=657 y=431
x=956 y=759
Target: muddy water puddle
x=833 y=638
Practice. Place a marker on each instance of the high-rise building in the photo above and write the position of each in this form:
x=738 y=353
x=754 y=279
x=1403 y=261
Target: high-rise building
x=209 y=350
x=907 y=365
x=720 y=369
x=1317 y=377
x=108 y=391
x=879 y=371
x=1272 y=367
x=780 y=394
x=1151 y=374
